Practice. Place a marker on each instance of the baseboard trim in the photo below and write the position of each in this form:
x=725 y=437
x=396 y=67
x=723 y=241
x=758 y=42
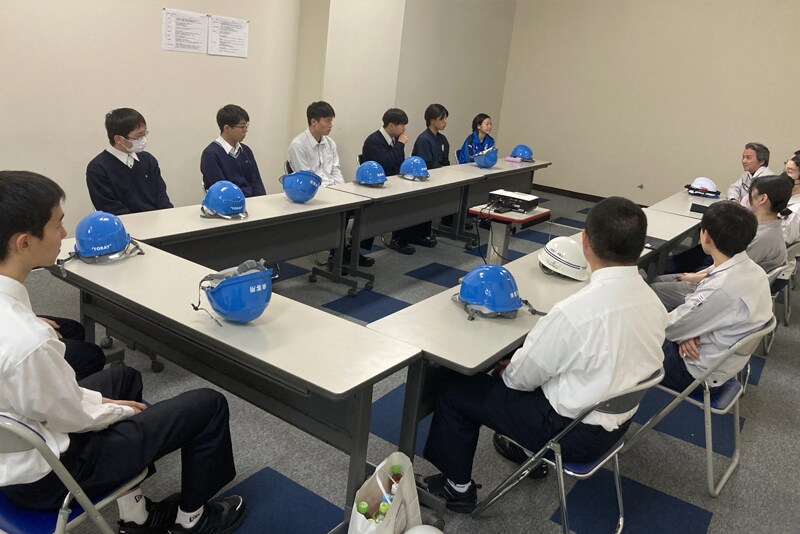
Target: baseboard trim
x=567 y=193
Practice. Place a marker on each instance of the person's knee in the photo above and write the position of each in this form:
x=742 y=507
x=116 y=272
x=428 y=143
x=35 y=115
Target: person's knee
x=209 y=401
x=95 y=357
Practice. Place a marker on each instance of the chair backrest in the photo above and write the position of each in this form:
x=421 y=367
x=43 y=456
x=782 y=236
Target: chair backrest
x=773 y=274
x=360 y=159
x=748 y=344
x=288 y=167
x=16 y=436
x=630 y=398
x=793 y=250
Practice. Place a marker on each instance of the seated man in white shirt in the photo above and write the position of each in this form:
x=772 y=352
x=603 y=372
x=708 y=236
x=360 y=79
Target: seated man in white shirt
x=732 y=301
x=769 y=196
x=313 y=150
x=101 y=441
x=602 y=340
x=755 y=161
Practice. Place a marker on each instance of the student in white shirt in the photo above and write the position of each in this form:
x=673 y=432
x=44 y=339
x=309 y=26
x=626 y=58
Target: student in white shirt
x=602 y=340
x=755 y=161
x=769 y=196
x=99 y=429
x=791 y=223
x=732 y=301
x=313 y=150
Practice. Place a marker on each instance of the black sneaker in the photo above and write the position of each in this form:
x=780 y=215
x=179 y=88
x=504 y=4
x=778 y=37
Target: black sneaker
x=402 y=248
x=462 y=503
x=219 y=517
x=161 y=515
x=365 y=261
x=513 y=452
x=426 y=241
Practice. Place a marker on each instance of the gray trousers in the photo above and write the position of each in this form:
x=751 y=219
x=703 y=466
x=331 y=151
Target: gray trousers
x=671 y=292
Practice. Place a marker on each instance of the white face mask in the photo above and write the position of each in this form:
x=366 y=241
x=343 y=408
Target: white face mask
x=138 y=145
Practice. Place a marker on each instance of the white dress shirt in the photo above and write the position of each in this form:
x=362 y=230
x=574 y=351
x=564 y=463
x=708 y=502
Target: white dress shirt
x=305 y=154
x=389 y=139
x=125 y=157
x=226 y=146
x=600 y=341
x=791 y=233
x=38 y=387
x=733 y=300
x=740 y=189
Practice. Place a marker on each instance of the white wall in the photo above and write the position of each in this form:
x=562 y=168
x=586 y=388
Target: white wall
x=619 y=93
x=454 y=52
x=362 y=55
x=65 y=64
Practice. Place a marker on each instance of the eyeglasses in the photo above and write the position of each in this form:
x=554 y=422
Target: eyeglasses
x=244 y=127
x=145 y=134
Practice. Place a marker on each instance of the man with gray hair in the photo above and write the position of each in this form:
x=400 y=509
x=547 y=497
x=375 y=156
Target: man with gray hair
x=755 y=161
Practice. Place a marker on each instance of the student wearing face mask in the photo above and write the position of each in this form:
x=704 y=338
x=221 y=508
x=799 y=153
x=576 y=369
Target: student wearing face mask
x=124 y=178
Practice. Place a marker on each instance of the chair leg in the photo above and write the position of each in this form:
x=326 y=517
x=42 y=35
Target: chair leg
x=562 y=492
x=715 y=489
x=653 y=421
x=787 y=305
x=766 y=342
x=508 y=484
x=618 y=486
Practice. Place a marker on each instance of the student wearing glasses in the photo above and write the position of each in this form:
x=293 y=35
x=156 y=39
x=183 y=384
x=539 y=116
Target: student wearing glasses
x=227 y=158
x=124 y=178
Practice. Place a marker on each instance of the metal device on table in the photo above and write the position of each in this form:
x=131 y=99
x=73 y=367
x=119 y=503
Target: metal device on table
x=513 y=201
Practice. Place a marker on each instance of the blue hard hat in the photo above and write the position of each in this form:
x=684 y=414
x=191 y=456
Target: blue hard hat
x=100 y=234
x=224 y=200
x=370 y=173
x=522 y=152
x=241 y=294
x=487 y=158
x=490 y=288
x=300 y=186
x=414 y=168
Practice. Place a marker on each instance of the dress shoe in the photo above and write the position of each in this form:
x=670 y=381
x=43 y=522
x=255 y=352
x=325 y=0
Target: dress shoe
x=402 y=248
x=462 y=503
x=427 y=241
x=513 y=452
x=365 y=261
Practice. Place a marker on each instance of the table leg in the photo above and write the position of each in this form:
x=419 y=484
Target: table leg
x=497 y=249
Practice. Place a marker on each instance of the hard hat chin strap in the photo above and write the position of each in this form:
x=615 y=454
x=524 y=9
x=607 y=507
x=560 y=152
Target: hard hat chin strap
x=131 y=249
x=242 y=268
x=473 y=312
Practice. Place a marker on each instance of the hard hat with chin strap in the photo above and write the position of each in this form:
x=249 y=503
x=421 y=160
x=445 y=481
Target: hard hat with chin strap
x=414 y=168
x=224 y=200
x=523 y=152
x=240 y=294
x=300 y=186
x=491 y=291
x=100 y=238
x=370 y=173
x=703 y=187
x=564 y=256
x=487 y=158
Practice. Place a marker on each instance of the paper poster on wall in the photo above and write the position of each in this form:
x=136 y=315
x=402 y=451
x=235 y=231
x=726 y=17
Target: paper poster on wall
x=227 y=36
x=184 y=31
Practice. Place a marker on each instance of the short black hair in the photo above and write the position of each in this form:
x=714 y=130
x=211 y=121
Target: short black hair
x=394 y=116
x=435 y=112
x=762 y=152
x=27 y=200
x=617 y=229
x=731 y=226
x=231 y=115
x=478 y=120
x=777 y=188
x=122 y=121
x=796 y=158
x=319 y=110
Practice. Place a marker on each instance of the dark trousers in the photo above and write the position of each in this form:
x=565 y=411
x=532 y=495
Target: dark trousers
x=688 y=261
x=408 y=235
x=85 y=357
x=196 y=422
x=465 y=403
x=676 y=376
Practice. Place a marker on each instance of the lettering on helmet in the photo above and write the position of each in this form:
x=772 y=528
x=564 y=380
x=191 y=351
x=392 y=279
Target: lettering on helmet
x=238 y=207
x=514 y=294
x=101 y=248
x=258 y=287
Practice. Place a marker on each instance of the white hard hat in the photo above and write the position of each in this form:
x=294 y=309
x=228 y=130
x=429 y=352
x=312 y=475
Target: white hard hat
x=701 y=182
x=564 y=256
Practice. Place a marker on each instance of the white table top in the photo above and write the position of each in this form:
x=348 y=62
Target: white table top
x=680 y=204
x=301 y=345
x=187 y=219
x=502 y=166
x=668 y=226
x=445 y=177
x=441 y=329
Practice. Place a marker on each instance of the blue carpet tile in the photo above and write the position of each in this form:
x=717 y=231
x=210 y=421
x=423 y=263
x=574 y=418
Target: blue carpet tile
x=367 y=306
x=375 y=248
x=385 y=421
x=585 y=211
x=288 y=270
x=592 y=507
x=756 y=368
x=439 y=274
x=535 y=236
x=685 y=422
x=511 y=255
x=569 y=222
x=279 y=505
x=542 y=200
